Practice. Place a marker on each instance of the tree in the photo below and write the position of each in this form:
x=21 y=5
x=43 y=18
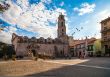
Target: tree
x=97 y=47
x=6 y=50
x=1 y=49
x=3 y=6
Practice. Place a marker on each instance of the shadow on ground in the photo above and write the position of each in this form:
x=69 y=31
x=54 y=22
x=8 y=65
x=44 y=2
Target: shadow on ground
x=79 y=71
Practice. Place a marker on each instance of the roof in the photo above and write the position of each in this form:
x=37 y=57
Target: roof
x=105 y=20
x=77 y=42
x=91 y=41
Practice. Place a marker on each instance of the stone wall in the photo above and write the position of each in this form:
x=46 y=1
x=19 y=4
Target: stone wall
x=45 y=49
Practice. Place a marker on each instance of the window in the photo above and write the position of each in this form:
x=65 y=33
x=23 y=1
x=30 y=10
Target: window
x=105 y=37
x=105 y=28
x=62 y=33
x=45 y=41
x=82 y=45
x=61 y=23
x=90 y=48
x=105 y=23
x=62 y=17
x=104 y=34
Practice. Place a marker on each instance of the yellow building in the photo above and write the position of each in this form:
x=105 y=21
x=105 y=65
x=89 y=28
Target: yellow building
x=105 y=35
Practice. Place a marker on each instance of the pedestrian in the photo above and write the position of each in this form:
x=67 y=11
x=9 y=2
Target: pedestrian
x=84 y=55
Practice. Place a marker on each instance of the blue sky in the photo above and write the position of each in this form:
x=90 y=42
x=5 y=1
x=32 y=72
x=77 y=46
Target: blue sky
x=38 y=18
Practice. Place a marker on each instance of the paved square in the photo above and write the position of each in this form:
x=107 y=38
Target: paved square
x=90 y=67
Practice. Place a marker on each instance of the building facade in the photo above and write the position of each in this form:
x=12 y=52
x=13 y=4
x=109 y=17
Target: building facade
x=105 y=35
x=84 y=45
x=57 y=47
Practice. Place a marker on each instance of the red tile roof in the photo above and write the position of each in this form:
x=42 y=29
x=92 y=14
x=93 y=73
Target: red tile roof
x=89 y=41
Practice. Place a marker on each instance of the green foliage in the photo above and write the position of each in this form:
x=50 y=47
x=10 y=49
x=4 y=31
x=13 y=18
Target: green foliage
x=2 y=49
x=6 y=51
x=3 y=6
x=14 y=57
x=97 y=45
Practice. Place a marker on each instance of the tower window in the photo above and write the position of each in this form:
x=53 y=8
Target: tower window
x=62 y=17
x=61 y=23
x=62 y=30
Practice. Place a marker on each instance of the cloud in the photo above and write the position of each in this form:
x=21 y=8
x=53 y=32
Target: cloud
x=6 y=35
x=97 y=18
x=34 y=18
x=62 y=3
x=85 y=8
x=102 y=15
x=92 y=28
x=47 y=1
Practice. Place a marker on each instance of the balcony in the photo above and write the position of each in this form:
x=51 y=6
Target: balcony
x=106 y=39
x=105 y=30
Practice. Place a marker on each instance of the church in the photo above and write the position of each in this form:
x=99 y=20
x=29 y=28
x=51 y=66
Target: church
x=58 y=47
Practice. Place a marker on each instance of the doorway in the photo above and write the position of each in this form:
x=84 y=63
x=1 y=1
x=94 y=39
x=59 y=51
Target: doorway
x=34 y=52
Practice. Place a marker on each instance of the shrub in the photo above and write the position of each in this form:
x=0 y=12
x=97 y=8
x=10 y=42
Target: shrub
x=14 y=57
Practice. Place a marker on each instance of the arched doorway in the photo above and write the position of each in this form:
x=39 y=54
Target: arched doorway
x=56 y=51
x=33 y=52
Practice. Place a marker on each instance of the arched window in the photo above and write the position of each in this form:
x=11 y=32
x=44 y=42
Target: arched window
x=61 y=23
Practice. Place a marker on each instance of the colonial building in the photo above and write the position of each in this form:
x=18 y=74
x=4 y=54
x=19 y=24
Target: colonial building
x=51 y=47
x=105 y=35
x=84 y=45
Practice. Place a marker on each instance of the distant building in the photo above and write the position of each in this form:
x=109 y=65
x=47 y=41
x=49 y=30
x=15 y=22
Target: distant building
x=82 y=45
x=57 y=47
x=105 y=35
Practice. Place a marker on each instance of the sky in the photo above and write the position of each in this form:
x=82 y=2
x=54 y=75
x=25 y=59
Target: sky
x=38 y=18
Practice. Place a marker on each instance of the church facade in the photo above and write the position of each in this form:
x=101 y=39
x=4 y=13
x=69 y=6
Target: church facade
x=57 y=47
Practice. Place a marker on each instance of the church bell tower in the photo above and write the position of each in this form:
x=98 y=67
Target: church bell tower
x=61 y=26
